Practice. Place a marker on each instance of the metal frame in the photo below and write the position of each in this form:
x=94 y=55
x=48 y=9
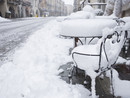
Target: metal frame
x=102 y=46
x=90 y=55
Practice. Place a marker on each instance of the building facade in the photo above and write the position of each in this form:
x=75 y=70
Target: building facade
x=3 y=8
x=52 y=8
x=32 y=8
x=15 y=8
x=35 y=5
x=69 y=9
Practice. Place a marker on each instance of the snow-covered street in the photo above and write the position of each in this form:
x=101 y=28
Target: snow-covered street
x=15 y=31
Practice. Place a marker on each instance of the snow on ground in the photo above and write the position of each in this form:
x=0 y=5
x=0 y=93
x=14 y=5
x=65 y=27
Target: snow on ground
x=121 y=87
x=3 y=19
x=33 y=73
x=121 y=60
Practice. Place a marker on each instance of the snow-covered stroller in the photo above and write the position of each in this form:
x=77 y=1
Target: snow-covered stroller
x=98 y=58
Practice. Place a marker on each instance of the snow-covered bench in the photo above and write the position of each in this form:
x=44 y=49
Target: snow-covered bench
x=95 y=59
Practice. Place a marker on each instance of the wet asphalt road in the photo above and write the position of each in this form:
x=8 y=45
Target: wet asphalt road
x=16 y=31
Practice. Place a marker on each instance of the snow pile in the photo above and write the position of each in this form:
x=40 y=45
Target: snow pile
x=3 y=19
x=88 y=8
x=121 y=87
x=86 y=13
x=121 y=60
x=128 y=63
x=81 y=15
x=61 y=18
x=33 y=73
x=126 y=19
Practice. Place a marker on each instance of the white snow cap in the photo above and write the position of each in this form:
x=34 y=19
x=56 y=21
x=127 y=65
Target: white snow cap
x=86 y=13
x=81 y=15
x=88 y=8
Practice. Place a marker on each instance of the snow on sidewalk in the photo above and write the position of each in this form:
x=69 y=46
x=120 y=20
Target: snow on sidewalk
x=33 y=73
x=3 y=19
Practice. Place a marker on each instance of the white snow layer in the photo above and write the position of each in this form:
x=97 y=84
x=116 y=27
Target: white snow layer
x=86 y=13
x=81 y=15
x=85 y=27
x=88 y=8
x=3 y=19
x=33 y=73
x=121 y=87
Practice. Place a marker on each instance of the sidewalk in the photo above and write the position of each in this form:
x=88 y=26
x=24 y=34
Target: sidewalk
x=123 y=69
x=102 y=85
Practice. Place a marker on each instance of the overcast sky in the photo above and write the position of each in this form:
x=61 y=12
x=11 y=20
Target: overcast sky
x=69 y=1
